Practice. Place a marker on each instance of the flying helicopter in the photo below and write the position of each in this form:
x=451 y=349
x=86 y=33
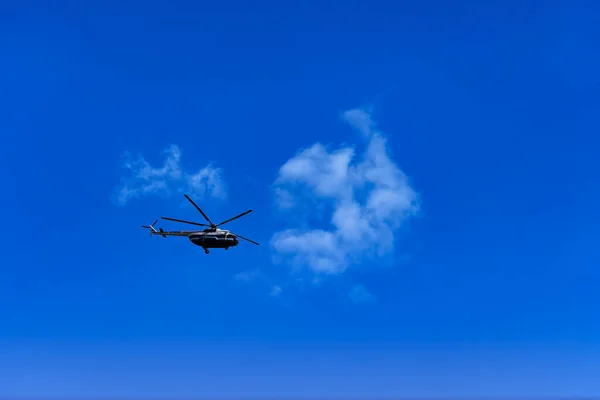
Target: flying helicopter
x=209 y=238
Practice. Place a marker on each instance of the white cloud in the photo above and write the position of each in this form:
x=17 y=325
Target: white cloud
x=359 y=294
x=368 y=198
x=142 y=178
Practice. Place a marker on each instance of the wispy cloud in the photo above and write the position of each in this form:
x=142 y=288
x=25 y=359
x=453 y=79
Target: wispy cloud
x=366 y=197
x=275 y=290
x=248 y=276
x=142 y=179
x=359 y=294
x=257 y=277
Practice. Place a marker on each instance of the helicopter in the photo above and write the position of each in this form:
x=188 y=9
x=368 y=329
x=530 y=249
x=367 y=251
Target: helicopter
x=209 y=238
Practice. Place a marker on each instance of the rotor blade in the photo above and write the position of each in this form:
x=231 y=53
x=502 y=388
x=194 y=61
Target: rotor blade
x=241 y=237
x=236 y=217
x=184 y=221
x=198 y=208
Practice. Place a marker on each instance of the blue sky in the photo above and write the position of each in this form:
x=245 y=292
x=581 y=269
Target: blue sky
x=423 y=178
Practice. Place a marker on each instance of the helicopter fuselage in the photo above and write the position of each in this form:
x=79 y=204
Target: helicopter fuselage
x=214 y=240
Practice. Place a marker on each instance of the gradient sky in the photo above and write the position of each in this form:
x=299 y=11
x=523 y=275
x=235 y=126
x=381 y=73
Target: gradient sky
x=423 y=177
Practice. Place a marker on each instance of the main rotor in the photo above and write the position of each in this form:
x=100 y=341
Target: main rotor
x=212 y=226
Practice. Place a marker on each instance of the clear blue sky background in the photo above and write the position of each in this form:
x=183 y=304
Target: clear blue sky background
x=490 y=108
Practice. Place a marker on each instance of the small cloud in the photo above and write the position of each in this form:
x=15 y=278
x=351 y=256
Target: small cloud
x=142 y=179
x=276 y=290
x=367 y=196
x=361 y=120
x=360 y=295
x=247 y=276
x=257 y=277
x=207 y=181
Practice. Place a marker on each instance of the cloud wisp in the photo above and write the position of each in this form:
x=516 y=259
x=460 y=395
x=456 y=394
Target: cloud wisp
x=366 y=196
x=257 y=277
x=360 y=295
x=143 y=179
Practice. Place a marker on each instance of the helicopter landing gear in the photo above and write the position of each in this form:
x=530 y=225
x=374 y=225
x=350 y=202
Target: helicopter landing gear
x=206 y=251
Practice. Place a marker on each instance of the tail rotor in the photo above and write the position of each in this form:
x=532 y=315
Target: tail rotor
x=151 y=228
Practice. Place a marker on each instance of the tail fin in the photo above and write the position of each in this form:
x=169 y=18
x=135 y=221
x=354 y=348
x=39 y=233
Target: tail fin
x=151 y=227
